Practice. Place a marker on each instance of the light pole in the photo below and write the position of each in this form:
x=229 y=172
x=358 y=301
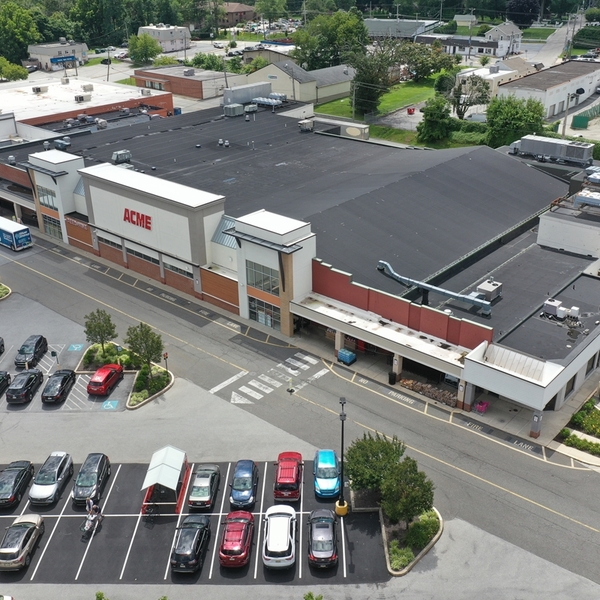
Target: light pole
x=341 y=506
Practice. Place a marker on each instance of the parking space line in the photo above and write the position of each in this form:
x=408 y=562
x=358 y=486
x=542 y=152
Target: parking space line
x=259 y=528
x=50 y=538
x=94 y=532
x=137 y=524
x=217 y=534
x=299 y=525
x=187 y=489
x=343 y=544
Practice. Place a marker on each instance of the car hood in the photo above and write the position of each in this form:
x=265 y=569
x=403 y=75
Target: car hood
x=241 y=495
x=329 y=484
x=24 y=356
x=42 y=491
x=84 y=492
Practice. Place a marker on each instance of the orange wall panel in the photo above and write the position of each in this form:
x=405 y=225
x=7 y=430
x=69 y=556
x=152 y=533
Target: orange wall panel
x=434 y=323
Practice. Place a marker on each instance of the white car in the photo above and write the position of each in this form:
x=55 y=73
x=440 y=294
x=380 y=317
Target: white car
x=279 y=548
x=218 y=45
x=51 y=478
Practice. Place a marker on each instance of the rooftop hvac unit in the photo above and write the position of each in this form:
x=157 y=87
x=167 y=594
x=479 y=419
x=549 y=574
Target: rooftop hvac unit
x=61 y=144
x=125 y=110
x=64 y=80
x=495 y=69
x=357 y=131
x=306 y=125
x=62 y=40
x=490 y=289
x=189 y=72
x=83 y=98
x=88 y=87
x=121 y=156
x=146 y=92
x=101 y=123
x=39 y=89
x=233 y=110
x=551 y=306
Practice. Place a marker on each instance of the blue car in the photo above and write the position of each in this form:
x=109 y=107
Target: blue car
x=244 y=485
x=326 y=471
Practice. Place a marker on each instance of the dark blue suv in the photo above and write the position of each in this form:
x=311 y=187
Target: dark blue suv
x=244 y=485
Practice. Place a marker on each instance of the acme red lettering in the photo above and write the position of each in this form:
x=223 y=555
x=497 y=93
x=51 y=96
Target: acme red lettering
x=137 y=218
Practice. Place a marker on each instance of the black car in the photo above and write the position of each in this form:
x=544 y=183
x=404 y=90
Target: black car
x=106 y=61
x=33 y=348
x=4 y=381
x=14 y=481
x=190 y=544
x=92 y=478
x=24 y=386
x=1 y=345
x=58 y=386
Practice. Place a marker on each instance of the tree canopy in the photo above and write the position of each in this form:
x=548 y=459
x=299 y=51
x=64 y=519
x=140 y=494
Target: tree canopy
x=143 y=48
x=509 y=119
x=437 y=123
x=17 y=31
x=271 y=10
x=522 y=12
x=145 y=343
x=465 y=92
x=11 y=72
x=406 y=492
x=327 y=39
x=99 y=327
x=368 y=460
x=423 y=60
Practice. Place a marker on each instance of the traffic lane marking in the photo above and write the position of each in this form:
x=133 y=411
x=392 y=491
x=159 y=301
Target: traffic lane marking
x=224 y=485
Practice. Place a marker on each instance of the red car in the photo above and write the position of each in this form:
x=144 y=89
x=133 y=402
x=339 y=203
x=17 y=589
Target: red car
x=237 y=539
x=104 y=380
x=288 y=478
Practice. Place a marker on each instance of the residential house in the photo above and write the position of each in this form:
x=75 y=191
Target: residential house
x=170 y=37
x=234 y=13
x=380 y=29
x=465 y=20
x=507 y=32
x=471 y=47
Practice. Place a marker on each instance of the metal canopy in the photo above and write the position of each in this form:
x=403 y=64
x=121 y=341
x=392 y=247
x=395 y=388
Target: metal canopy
x=165 y=468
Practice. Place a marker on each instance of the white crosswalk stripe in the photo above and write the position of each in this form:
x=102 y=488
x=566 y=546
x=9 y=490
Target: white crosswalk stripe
x=251 y=393
x=270 y=381
x=288 y=370
x=297 y=364
x=261 y=386
x=308 y=359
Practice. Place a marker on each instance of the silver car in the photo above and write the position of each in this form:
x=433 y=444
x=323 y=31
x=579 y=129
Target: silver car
x=19 y=541
x=51 y=478
x=205 y=487
x=322 y=539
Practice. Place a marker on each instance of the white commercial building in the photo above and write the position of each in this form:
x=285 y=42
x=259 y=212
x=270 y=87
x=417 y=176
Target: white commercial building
x=170 y=37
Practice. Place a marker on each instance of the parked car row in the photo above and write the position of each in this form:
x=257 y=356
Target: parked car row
x=21 y=538
x=279 y=545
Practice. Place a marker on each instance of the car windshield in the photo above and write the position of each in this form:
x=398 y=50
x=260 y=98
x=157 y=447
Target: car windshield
x=19 y=381
x=26 y=349
x=242 y=484
x=47 y=474
x=322 y=546
x=13 y=536
x=86 y=479
x=185 y=543
x=200 y=490
x=7 y=480
x=52 y=386
x=327 y=472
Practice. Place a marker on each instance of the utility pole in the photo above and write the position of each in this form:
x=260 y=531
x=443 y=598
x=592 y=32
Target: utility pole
x=108 y=65
x=470 y=25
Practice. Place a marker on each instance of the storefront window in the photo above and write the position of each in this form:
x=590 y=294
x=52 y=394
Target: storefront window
x=178 y=270
x=262 y=278
x=142 y=255
x=264 y=313
x=47 y=197
x=52 y=227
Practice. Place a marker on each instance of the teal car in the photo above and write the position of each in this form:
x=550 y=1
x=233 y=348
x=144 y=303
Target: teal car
x=326 y=471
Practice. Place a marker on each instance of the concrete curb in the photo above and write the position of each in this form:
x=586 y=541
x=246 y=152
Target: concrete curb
x=150 y=398
x=419 y=556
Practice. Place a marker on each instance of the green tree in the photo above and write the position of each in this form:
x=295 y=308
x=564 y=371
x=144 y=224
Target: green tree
x=11 y=72
x=406 y=492
x=509 y=119
x=271 y=10
x=436 y=124
x=592 y=15
x=484 y=60
x=145 y=343
x=522 y=12
x=368 y=460
x=99 y=328
x=563 y=7
x=315 y=8
x=143 y=48
x=257 y=63
x=422 y=61
x=468 y=92
x=328 y=39
x=234 y=65
x=17 y=31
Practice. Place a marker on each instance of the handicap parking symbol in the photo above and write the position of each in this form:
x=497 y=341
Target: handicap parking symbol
x=75 y=347
x=110 y=404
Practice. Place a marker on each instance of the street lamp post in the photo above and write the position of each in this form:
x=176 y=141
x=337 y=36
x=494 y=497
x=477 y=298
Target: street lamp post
x=341 y=506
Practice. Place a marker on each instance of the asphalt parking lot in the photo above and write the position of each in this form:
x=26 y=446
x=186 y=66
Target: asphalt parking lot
x=128 y=548
x=67 y=340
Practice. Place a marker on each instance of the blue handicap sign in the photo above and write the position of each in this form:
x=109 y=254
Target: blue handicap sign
x=75 y=347
x=110 y=404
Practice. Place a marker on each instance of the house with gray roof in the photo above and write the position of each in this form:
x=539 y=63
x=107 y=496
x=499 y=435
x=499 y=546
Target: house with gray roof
x=380 y=29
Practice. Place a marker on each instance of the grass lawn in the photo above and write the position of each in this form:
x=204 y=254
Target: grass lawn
x=402 y=94
x=98 y=61
x=538 y=33
x=128 y=81
x=402 y=136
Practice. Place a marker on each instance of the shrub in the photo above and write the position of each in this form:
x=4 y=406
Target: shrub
x=90 y=356
x=564 y=433
x=138 y=397
x=421 y=532
x=141 y=381
x=473 y=127
x=584 y=445
x=400 y=557
x=3 y=291
x=468 y=138
x=157 y=384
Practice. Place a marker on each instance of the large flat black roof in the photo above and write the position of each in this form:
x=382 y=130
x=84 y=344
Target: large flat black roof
x=422 y=211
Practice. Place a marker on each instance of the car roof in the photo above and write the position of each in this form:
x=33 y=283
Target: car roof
x=196 y=520
x=92 y=461
x=62 y=373
x=18 y=464
x=278 y=518
x=103 y=371
x=243 y=468
x=321 y=513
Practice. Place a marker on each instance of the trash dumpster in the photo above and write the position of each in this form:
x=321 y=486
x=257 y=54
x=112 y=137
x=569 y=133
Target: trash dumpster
x=346 y=356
